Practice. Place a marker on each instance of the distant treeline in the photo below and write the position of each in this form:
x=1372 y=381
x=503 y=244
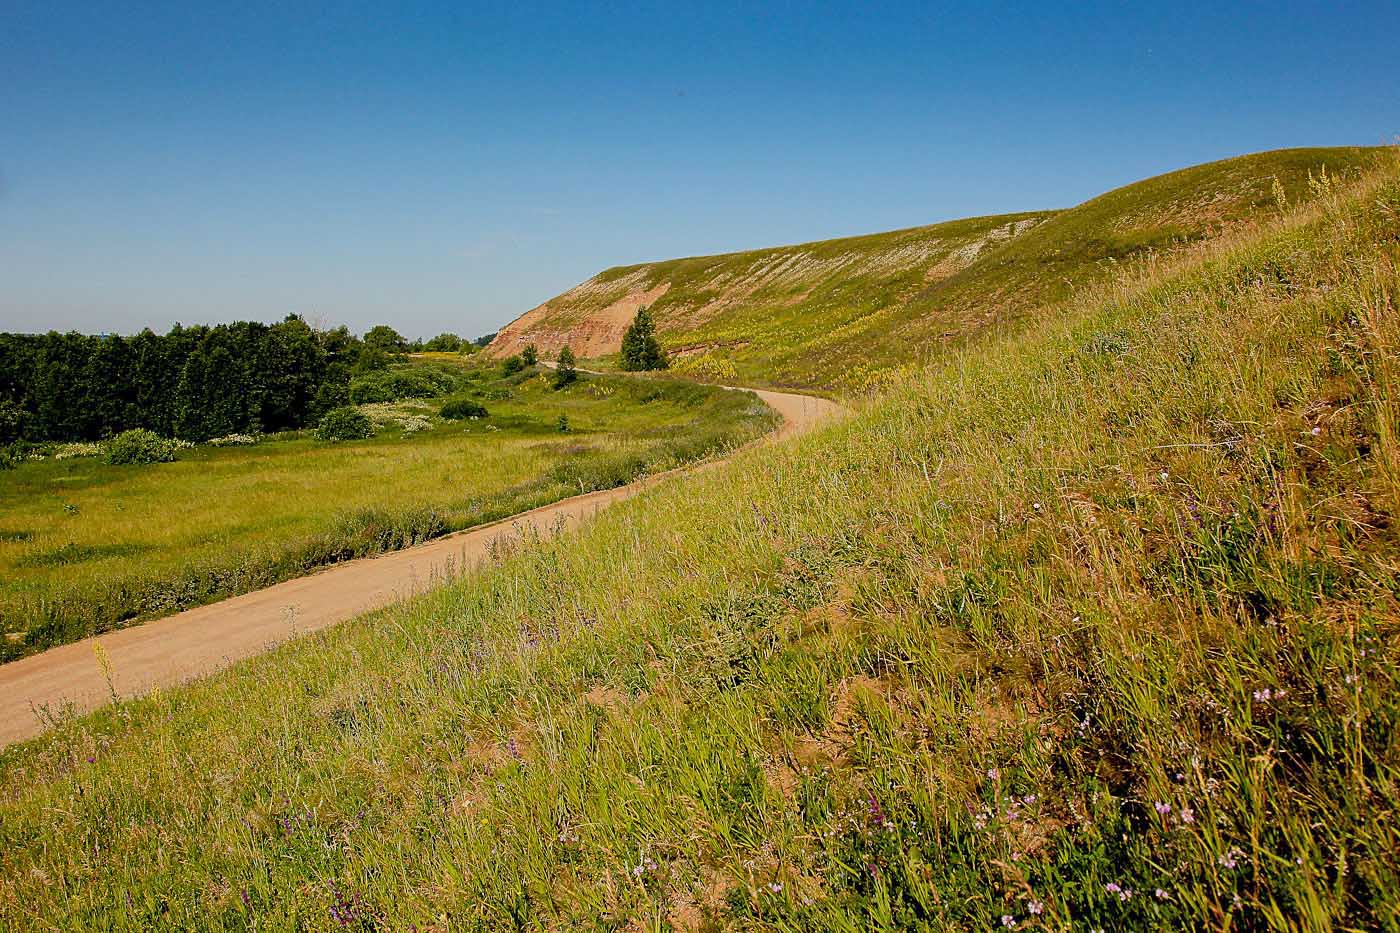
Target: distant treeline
x=193 y=383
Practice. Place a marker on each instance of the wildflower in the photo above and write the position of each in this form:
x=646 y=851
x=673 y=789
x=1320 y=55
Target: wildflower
x=1188 y=815
x=994 y=774
x=1230 y=859
x=1163 y=474
x=775 y=886
x=1161 y=895
x=1112 y=887
x=1263 y=696
x=1316 y=431
x=1008 y=921
x=1162 y=808
x=1035 y=907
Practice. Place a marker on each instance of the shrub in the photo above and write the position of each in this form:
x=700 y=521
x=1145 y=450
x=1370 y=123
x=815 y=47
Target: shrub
x=512 y=365
x=459 y=409
x=344 y=424
x=530 y=355
x=562 y=424
x=138 y=446
x=391 y=385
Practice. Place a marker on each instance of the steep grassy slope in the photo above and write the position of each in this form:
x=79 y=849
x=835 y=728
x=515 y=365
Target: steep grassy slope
x=1092 y=626
x=843 y=313
x=811 y=282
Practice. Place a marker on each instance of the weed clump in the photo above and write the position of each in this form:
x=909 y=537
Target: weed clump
x=138 y=446
x=344 y=424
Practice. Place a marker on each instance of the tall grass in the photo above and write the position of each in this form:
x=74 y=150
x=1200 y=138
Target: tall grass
x=1090 y=628
x=86 y=547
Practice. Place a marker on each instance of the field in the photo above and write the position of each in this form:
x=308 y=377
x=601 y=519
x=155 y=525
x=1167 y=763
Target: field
x=845 y=314
x=1092 y=626
x=86 y=546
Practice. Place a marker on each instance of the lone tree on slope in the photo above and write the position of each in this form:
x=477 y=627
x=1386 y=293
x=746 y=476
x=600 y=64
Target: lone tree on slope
x=530 y=355
x=640 y=348
x=564 y=372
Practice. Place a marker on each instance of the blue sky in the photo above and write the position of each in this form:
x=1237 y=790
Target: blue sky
x=447 y=166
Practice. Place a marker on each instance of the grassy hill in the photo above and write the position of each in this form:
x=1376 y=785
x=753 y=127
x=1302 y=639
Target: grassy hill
x=1092 y=625
x=841 y=314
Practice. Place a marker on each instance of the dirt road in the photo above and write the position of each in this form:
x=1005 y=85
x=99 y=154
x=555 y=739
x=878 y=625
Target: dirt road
x=199 y=641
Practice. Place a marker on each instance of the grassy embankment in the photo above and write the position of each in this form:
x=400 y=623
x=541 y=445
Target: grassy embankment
x=85 y=546
x=845 y=314
x=1094 y=626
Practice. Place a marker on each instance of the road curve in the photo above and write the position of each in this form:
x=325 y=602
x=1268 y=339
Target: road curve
x=205 y=639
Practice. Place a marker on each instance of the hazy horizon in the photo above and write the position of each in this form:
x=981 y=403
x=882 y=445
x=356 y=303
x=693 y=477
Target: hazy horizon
x=445 y=169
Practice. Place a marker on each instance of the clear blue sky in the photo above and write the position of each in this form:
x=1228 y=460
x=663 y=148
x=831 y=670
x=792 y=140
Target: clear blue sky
x=447 y=166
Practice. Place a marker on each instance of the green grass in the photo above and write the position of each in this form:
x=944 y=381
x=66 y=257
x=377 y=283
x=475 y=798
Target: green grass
x=85 y=546
x=1106 y=607
x=844 y=314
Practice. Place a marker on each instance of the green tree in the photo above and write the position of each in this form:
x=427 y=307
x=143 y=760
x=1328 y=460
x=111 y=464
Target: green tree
x=530 y=355
x=444 y=343
x=564 y=372
x=385 y=338
x=640 y=349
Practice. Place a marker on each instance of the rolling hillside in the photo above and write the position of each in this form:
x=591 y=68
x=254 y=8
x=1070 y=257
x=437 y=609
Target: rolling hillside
x=841 y=314
x=1090 y=626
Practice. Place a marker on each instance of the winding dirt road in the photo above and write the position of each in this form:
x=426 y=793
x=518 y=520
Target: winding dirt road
x=199 y=641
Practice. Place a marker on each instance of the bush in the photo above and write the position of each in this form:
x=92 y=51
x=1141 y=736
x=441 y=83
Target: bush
x=530 y=355
x=459 y=409
x=391 y=385
x=512 y=365
x=344 y=424
x=138 y=446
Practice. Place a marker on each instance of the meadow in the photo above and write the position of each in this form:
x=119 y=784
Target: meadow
x=86 y=546
x=1089 y=626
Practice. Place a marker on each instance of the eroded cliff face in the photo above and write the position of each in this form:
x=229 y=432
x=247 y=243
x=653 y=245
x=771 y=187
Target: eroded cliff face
x=596 y=332
x=687 y=294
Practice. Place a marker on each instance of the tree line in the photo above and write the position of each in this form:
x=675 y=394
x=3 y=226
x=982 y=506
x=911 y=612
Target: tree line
x=193 y=383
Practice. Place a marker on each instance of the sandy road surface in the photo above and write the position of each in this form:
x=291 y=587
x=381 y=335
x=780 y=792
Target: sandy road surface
x=198 y=641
